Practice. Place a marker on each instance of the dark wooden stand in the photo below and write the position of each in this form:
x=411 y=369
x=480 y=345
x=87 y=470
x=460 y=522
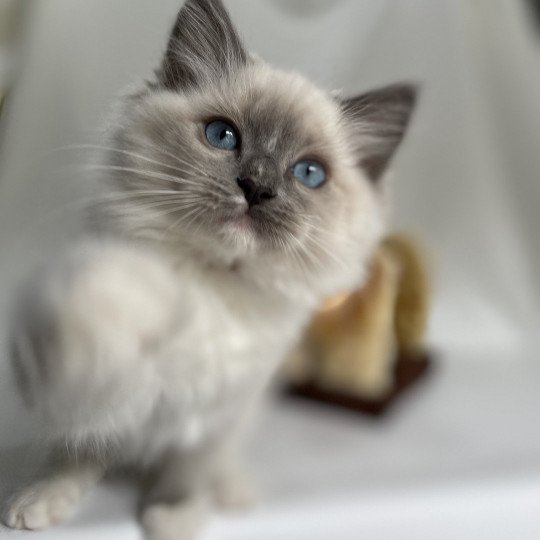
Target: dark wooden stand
x=408 y=372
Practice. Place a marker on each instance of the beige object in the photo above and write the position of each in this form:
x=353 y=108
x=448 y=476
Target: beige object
x=351 y=345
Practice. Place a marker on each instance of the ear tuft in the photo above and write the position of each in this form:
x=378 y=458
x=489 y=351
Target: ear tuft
x=379 y=120
x=203 y=47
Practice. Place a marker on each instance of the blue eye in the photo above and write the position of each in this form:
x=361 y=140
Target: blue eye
x=222 y=135
x=310 y=173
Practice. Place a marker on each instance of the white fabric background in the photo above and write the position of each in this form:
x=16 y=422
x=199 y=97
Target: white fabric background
x=461 y=457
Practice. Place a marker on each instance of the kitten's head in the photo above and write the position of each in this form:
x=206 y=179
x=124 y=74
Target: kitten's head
x=253 y=167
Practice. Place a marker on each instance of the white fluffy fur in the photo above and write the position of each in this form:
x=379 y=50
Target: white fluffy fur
x=162 y=347
x=148 y=346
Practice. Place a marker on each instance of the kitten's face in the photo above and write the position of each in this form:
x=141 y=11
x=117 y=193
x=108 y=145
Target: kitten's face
x=246 y=163
x=278 y=121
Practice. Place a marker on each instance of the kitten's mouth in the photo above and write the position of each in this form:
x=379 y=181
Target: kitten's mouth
x=243 y=222
x=249 y=224
x=246 y=221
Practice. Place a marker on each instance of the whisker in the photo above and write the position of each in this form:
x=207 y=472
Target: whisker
x=187 y=219
x=181 y=161
x=159 y=176
x=140 y=156
x=145 y=173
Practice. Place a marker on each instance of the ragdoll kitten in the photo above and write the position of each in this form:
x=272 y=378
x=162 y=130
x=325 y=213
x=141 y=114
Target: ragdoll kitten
x=237 y=198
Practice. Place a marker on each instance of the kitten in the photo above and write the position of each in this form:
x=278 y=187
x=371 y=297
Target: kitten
x=237 y=197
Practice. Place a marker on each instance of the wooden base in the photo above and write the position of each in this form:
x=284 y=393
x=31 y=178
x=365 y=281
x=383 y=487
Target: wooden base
x=408 y=372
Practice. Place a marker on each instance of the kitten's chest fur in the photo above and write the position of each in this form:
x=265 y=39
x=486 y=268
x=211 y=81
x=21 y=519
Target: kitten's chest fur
x=220 y=351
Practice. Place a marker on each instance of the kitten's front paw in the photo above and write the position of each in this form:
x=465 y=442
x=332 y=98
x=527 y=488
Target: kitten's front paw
x=235 y=490
x=181 y=521
x=42 y=505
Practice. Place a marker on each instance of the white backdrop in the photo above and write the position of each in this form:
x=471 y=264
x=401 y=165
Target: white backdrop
x=463 y=455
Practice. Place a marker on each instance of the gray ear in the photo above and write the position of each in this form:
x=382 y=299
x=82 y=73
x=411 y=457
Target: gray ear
x=203 y=46
x=379 y=119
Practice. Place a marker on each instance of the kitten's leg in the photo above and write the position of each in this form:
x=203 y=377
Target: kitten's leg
x=52 y=500
x=85 y=340
x=179 y=520
x=175 y=505
x=84 y=348
x=232 y=485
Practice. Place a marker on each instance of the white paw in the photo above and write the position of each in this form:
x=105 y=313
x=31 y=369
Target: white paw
x=181 y=521
x=42 y=505
x=235 y=491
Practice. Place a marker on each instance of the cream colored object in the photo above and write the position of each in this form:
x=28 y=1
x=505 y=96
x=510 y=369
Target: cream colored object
x=352 y=343
x=413 y=295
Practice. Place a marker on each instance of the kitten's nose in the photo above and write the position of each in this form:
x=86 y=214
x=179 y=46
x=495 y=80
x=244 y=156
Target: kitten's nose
x=255 y=193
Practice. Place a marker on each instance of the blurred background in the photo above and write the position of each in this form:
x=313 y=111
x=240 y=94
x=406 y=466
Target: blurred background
x=459 y=457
